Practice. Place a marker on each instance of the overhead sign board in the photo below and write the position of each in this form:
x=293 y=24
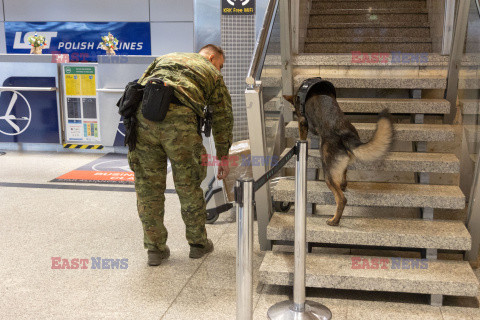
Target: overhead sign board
x=238 y=7
x=81 y=40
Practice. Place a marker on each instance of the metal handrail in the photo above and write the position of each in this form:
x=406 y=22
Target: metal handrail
x=110 y=90
x=28 y=88
x=260 y=51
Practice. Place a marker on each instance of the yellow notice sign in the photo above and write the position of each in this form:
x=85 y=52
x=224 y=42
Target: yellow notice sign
x=80 y=81
x=88 y=85
x=72 y=84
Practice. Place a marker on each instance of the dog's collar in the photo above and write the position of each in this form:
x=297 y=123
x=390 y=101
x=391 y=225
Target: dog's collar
x=318 y=85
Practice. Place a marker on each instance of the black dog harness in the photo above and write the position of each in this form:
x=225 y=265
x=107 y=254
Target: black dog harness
x=314 y=85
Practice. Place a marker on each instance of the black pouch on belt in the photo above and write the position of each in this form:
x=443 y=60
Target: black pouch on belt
x=156 y=100
x=128 y=103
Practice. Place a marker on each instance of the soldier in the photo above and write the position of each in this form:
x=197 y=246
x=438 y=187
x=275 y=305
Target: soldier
x=197 y=82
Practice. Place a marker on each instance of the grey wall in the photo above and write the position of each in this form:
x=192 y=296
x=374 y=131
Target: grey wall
x=172 y=26
x=171 y=37
x=2 y=29
x=171 y=10
x=74 y=10
x=172 y=21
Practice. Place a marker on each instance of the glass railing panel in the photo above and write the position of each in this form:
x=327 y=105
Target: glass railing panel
x=469 y=84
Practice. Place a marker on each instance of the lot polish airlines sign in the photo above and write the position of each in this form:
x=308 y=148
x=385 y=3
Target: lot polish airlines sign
x=79 y=39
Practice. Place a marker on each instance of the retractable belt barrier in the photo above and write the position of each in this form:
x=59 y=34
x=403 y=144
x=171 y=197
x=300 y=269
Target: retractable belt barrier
x=244 y=197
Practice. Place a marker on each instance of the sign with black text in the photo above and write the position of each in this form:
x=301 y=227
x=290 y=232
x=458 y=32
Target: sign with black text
x=238 y=7
x=80 y=40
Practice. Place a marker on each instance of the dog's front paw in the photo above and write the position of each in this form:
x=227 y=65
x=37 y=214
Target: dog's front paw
x=332 y=222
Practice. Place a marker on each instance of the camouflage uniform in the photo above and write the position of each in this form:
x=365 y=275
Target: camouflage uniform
x=197 y=83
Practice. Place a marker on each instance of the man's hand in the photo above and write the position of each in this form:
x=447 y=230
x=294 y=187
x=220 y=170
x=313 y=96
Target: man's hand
x=223 y=170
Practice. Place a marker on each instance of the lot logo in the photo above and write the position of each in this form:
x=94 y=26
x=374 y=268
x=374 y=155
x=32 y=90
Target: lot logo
x=19 y=44
x=17 y=116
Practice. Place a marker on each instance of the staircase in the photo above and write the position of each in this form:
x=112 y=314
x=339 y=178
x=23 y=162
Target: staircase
x=337 y=26
x=401 y=210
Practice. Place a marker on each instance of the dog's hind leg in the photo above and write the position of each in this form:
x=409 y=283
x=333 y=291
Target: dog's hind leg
x=339 y=199
x=343 y=185
x=334 y=179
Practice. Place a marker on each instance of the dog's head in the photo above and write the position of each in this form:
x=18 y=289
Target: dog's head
x=310 y=88
x=295 y=102
x=302 y=121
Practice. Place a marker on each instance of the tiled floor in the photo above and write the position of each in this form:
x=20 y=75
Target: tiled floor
x=39 y=223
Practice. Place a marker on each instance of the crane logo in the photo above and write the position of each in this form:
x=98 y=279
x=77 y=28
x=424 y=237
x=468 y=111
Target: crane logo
x=120 y=124
x=17 y=124
x=112 y=165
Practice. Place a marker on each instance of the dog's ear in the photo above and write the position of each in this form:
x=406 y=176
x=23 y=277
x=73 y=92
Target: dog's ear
x=290 y=99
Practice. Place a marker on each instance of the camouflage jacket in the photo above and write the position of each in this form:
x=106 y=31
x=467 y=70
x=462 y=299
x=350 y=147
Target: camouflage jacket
x=197 y=83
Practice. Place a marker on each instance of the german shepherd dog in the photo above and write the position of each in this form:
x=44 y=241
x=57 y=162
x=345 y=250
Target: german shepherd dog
x=340 y=143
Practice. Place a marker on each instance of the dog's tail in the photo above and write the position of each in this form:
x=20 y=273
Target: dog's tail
x=381 y=142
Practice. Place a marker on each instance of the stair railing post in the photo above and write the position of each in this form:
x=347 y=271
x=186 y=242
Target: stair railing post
x=244 y=197
x=300 y=227
x=300 y=308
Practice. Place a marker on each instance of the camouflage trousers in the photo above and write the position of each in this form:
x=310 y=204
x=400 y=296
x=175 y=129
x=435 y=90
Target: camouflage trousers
x=175 y=138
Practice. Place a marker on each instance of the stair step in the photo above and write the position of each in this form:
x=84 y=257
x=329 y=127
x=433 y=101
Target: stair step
x=394 y=162
x=318 y=5
x=394 y=60
x=272 y=104
x=367 y=82
x=406 y=18
x=376 y=105
x=356 y=39
x=369 y=11
x=469 y=83
x=403 y=131
x=372 y=3
x=367 y=32
x=356 y=1
x=401 y=233
x=470 y=106
x=378 y=194
x=391 y=24
x=336 y=271
x=368 y=47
